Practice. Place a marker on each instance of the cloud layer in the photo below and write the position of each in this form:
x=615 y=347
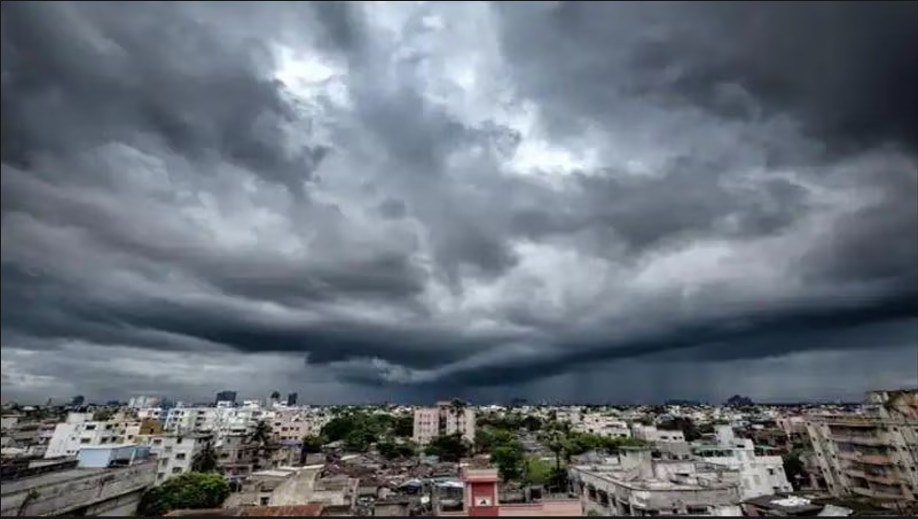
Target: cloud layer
x=451 y=197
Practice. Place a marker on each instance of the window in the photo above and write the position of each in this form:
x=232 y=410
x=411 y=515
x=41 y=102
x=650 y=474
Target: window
x=265 y=500
x=84 y=441
x=771 y=472
x=180 y=456
x=176 y=470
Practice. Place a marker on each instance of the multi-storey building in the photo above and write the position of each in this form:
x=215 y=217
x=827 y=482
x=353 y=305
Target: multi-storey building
x=80 y=430
x=226 y=396
x=760 y=474
x=191 y=419
x=873 y=454
x=650 y=433
x=443 y=419
x=174 y=452
x=602 y=425
x=293 y=425
x=637 y=485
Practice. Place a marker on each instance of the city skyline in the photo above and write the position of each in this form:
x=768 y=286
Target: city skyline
x=402 y=201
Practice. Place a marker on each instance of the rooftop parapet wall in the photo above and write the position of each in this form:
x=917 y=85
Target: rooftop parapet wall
x=59 y=493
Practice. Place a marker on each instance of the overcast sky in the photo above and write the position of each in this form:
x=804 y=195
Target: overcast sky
x=364 y=201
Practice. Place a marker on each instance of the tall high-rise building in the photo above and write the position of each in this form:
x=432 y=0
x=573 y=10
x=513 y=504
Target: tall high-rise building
x=291 y=399
x=226 y=396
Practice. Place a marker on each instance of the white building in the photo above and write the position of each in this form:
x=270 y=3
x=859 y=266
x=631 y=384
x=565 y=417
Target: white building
x=602 y=425
x=77 y=431
x=153 y=413
x=635 y=484
x=174 y=453
x=442 y=420
x=191 y=419
x=760 y=475
x=650 y=433
x=142 y=402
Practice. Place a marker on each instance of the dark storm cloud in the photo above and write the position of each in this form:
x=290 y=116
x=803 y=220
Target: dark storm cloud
x=739 y=184
x=845 y=69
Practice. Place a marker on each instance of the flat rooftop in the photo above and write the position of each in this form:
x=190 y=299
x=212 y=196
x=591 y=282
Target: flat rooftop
x=47 y=479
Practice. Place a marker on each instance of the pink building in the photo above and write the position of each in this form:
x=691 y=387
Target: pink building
x=481 y=500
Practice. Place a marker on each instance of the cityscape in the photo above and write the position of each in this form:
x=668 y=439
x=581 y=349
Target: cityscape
x=275 y=456
x=439 y=258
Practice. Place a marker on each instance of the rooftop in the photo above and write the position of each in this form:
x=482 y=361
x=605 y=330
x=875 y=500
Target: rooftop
x=48 y=479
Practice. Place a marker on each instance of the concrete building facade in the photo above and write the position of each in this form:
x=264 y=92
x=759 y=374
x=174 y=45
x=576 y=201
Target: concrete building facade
x=80 y=430
x=760 y=474
x=873 y=455
x=174 y=453
x=441 y=420
x=639 y=485
x=77 y=491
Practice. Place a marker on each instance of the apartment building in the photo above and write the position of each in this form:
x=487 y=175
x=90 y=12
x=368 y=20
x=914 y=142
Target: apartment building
x=191 y=419
x=443 y=419
x=602 y=425
x=760 y=474
x=294 y=425
x=873 y=454
x=650 y=433
x=80 y=430
x=636 y=484
x=174 y=452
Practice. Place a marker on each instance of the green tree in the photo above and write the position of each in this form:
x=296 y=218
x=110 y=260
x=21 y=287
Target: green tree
x=449 y=447
x=489 y=437
x=261 y=434
x=457 y=408
x=311 y=445
x=193 y=490
x=794 y=468
x=403 y=426
x=205 y=460
x=509 y=460
x=359 y=440
x=537 y=471
x=339 y=427
x=532 y=423
x=394 y=451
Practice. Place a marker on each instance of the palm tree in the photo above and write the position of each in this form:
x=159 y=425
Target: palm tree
x=205 y=460
x=261 y=435
x=457 y=408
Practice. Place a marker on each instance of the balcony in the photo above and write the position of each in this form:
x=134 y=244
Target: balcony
x=857 y=439
x=883 y=479
x=869 y=459
x=876 y=494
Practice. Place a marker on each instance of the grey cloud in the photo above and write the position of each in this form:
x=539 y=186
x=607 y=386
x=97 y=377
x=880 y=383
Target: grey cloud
x=163 y=190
